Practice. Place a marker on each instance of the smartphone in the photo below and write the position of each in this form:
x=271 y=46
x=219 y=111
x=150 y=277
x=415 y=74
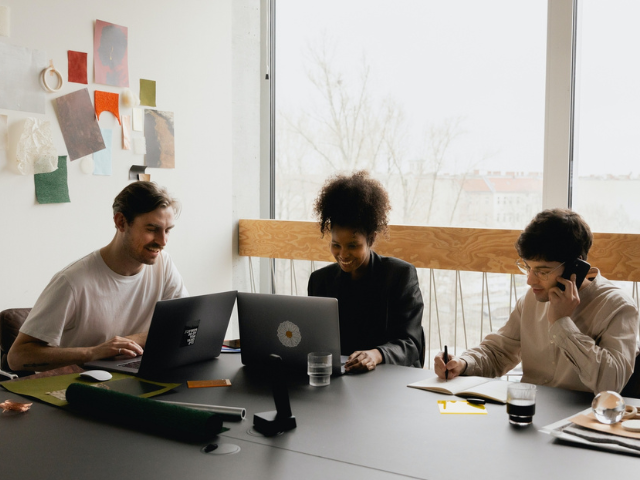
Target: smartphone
x=577 y=266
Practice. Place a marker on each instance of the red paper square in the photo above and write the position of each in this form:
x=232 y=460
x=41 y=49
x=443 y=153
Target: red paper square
x=77 y=66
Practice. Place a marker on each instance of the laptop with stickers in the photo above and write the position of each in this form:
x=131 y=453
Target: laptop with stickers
x=288 y=326
x=182 y=331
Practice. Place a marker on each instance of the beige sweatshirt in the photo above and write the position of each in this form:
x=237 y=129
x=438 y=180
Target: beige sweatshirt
x=593 y=350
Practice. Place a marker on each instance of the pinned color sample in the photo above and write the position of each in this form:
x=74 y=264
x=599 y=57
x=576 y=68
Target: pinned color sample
x=138 y=119
x=135 y=171
x=145 y=177
x=52 y=187
x=107 y=102
x=78 y=123
x=158 y=132
x=77 y=69
x=148 y=92
x=102 y=159
x=139 y=146
x=110 y=54
x=21 y=90
x=5 y=21
x=126 y=132
x=36 y=152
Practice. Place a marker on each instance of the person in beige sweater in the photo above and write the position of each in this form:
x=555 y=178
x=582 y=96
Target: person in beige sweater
x=580 y=339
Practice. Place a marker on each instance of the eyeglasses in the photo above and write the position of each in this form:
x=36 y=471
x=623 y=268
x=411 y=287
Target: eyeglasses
x=526 y=269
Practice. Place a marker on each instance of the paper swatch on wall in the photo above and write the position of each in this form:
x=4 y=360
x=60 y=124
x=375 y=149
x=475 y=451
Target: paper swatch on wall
x=5 y=21
x=110 y=54
x=159 y=135
x=36 y=152
x=138 y=119
x=107 y=102
x=147 y=92
x=20 y=78
x=126 y=132
x=3 y=132
x=52 y=187
x=77 y=67
x=102 y=159
x=135 y=171
x=78 y=123
x=139 y=146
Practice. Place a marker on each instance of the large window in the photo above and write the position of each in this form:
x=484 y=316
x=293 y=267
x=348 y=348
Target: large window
x=474 y=113
x=441 y=101
x=607 y=155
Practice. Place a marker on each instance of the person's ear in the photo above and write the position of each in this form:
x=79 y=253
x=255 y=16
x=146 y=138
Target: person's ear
x=371 y=239
x=120 y=221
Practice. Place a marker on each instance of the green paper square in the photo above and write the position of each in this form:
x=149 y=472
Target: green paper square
x=52 y=187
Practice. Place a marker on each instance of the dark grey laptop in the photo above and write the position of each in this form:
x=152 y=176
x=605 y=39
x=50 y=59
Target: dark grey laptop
x=182 y=331
x=288 y=326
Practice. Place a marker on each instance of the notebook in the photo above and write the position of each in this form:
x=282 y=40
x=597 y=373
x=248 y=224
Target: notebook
x=182 y=331
x=288 y=326
x=490 y=388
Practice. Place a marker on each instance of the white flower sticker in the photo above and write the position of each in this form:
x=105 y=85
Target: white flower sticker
x=289 y=334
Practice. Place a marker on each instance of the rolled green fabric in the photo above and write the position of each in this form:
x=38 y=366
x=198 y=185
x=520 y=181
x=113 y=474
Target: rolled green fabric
x=170 y=421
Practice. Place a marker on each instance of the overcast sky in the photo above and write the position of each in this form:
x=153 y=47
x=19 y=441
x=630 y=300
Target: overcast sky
x=482 y=62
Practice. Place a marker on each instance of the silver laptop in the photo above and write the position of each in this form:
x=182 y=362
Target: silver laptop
x=182 y=331
x=288 y=326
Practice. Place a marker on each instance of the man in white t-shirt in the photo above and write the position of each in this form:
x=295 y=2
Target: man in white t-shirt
x=101 y=305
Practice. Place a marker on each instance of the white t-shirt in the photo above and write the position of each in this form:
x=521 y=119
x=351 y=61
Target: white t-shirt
x=87 y=303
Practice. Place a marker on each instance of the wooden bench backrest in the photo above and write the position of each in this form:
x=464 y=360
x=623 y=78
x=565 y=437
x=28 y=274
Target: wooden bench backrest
x=466 y=249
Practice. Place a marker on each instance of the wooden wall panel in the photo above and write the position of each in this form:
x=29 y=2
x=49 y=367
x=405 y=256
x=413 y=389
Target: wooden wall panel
x=472 y=249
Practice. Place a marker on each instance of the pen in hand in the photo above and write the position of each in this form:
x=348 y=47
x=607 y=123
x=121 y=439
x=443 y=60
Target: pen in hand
x=446 y=360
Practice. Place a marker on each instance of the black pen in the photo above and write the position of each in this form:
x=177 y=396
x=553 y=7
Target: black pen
x=446 y=360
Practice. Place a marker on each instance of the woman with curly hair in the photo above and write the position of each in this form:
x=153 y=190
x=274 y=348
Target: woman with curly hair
x=379 y=297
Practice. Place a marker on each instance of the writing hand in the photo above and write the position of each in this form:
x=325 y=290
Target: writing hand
x=455 y=366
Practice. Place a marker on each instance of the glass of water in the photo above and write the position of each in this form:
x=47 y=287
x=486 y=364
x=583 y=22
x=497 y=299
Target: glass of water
x=319 y=368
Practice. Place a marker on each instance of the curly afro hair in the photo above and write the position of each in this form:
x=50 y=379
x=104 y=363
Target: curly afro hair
x=355 y=201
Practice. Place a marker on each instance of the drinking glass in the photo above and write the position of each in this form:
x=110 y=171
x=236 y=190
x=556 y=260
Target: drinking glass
x=319 y=368
x=521 y=404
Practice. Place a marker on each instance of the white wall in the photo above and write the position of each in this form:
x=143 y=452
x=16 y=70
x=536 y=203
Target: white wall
x=187 y=48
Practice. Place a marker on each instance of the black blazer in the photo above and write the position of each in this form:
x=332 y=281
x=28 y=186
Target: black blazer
x=382 y=310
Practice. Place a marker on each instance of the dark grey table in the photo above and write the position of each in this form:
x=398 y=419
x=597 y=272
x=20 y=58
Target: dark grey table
x=361 y=426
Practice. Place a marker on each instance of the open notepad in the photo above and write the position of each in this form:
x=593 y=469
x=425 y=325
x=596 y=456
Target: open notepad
x=489 y=388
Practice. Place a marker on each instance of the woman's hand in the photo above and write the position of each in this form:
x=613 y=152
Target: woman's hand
x=363 y=360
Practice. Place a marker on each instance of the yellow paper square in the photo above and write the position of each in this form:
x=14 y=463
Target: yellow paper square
x=460 y=407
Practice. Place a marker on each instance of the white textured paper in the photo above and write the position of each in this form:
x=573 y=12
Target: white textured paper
x=36 y=152
x=126 y=132
x=138 y=119
x=5 y=23
x=139 y=146
x=3 y=132
x=20 y=90
x=86 y=164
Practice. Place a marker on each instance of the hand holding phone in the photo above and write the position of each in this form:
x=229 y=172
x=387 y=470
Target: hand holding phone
x=577 y=266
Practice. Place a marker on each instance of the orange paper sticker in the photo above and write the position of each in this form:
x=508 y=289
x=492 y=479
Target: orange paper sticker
x=225 y=382
x=107 y=102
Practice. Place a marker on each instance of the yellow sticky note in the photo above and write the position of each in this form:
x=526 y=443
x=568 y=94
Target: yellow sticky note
x=460 y=407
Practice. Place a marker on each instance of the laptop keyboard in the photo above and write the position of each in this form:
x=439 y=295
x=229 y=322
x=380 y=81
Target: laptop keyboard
x=132 y=364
